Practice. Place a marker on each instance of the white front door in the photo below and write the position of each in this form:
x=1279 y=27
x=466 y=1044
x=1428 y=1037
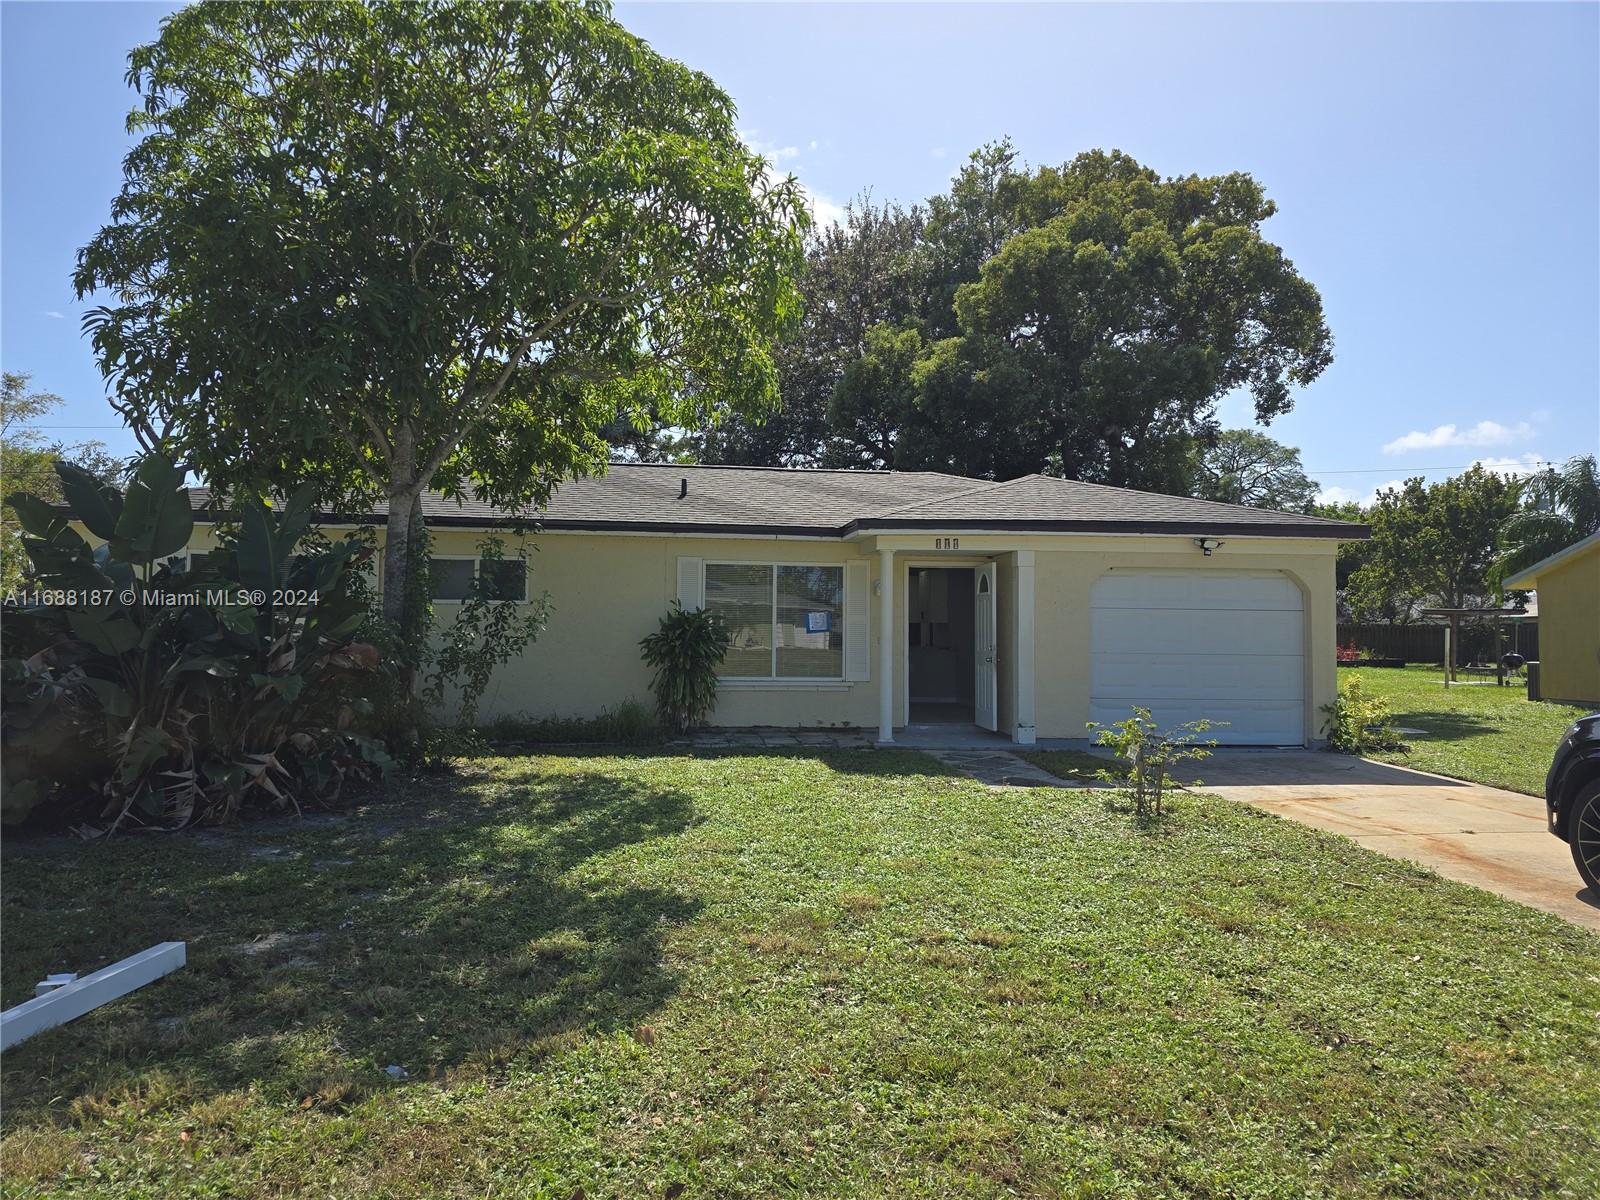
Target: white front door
x=985 y=693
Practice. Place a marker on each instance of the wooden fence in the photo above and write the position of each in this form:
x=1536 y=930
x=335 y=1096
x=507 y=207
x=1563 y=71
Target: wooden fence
x=1424 y=643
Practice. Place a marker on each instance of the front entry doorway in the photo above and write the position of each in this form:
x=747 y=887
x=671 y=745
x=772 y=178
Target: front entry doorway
x=941 y=643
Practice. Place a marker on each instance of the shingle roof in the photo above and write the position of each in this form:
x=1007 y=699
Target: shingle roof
x=772 y=500
x=1045 y=502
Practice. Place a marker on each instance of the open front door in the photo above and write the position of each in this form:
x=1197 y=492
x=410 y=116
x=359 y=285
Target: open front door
x=985 y=692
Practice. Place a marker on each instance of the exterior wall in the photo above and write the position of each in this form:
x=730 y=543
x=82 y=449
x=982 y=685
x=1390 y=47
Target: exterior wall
x=1064 y=571
x=1061 y=615
x=607 y=592
x=1569 y=630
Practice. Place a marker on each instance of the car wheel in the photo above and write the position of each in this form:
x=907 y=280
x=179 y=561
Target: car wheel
x=1583 y=834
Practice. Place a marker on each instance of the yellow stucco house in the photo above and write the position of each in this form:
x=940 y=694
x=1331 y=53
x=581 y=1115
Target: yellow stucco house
x=1568 y=585
x=886 y=599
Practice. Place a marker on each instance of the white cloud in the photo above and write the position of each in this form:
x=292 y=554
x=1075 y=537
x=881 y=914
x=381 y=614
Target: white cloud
x=824 y=211
x=775 y=154
x=1337 y=495
x=938 y=152
x=1484 y=433
x=1525 y=464
x=1343 y=495
x=55 y=316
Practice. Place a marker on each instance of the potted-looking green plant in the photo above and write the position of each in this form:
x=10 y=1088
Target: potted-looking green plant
x=685 y=652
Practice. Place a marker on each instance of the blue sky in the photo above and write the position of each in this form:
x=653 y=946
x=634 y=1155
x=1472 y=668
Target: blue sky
x=1436 y=168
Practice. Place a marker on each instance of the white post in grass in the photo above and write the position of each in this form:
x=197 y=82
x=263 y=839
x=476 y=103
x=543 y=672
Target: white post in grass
x=71 y=1000
x=886 y=647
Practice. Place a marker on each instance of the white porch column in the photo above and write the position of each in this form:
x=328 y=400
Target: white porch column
x=1022 y=670
x=886 y=646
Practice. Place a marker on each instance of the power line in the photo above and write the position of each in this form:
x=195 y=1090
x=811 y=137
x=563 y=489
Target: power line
x=1398 y=470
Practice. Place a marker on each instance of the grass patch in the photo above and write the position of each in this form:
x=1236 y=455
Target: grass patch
x=845 y=973
x=1486 y=734
x=1077 y=765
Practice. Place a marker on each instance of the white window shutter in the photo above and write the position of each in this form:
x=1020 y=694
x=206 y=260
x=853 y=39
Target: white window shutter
x=691 y=583
x=857 y=601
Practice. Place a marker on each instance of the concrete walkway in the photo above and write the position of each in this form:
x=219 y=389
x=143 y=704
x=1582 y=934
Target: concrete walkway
x=1480 y=835
x=775 y=738
x=1000 y=768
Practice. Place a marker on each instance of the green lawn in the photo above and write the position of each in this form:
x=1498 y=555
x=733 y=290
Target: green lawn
x=1487 y=734
x=751 y=975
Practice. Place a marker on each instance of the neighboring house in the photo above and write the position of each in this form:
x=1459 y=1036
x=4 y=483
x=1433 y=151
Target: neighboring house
x=1030 y=607
x=1568 y=583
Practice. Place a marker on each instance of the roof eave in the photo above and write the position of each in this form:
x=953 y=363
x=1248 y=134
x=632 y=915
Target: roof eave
x=1340 y=532
x=879 y=525
x=211 y=516
x=1528 y=575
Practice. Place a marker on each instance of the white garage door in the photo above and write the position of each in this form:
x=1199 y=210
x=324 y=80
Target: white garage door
x=1220 y=645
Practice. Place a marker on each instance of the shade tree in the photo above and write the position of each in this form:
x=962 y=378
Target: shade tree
x=392 y=247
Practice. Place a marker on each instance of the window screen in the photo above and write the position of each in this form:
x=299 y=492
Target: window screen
x=810 y=622
x=742 y=593
x=787 y=622
x=506 y=578
x=452 y=578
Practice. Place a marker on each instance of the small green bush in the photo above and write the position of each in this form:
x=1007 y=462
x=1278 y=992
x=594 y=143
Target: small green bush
x=1150 y=753
x=685 y=653
x=1359 y=722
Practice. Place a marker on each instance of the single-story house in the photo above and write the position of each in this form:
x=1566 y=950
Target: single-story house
x=1568 y=584
x=880 y=599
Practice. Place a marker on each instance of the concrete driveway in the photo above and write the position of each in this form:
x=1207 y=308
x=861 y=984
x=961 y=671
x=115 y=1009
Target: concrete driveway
x=1480 y=835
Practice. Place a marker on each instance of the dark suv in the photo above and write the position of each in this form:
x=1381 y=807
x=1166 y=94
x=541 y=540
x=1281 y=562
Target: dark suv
x=1572 y=795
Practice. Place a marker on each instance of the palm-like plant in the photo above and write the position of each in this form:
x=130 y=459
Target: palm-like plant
x=1561 y=506
x=685 y=653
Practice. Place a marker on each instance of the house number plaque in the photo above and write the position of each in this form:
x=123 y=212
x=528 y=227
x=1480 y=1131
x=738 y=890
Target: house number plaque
x=947 y=543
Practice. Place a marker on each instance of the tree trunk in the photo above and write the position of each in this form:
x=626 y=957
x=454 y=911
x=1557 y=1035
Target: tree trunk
x=396 y=558
x=405 y=542
x=405 y=491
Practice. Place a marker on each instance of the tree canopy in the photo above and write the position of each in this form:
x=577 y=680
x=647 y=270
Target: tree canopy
x=27 y=464
x=1434 y=545
x=858 y=274
x=1245 y=466
x=1561 y=506
x=1092 y=314
x=392 y=246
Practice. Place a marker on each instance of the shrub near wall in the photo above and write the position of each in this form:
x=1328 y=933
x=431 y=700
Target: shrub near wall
x=180 y=694
x=685 y=653
x=628 y=724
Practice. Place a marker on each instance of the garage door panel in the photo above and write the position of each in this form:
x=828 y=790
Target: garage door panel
x=1192 y=589
x=1260 y=677
x=1205 y=633
x=1224 y=646
x=1247 y=724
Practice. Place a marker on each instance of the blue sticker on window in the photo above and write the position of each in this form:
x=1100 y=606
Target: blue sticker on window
x=819 y=622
